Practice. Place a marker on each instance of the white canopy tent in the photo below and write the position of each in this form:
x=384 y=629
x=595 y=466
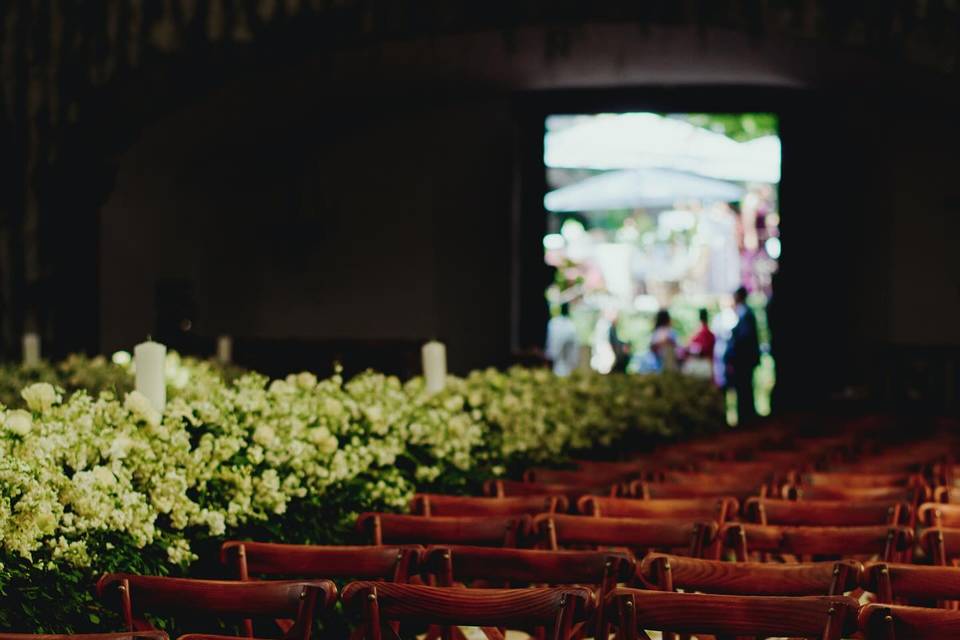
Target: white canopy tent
x=648 y=140
x=640 y=188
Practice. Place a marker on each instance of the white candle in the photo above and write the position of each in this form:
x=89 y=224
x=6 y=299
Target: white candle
x=149 y=360
x=434 y=356
x=31 y=349
x=225 y=349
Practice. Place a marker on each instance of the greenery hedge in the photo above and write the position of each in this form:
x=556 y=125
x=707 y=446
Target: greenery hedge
x=93 y=479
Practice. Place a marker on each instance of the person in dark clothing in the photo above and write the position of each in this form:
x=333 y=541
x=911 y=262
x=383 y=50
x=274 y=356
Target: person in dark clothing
x=742 y=357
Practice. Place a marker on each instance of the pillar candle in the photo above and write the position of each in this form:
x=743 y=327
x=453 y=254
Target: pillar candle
x=434 y=356
x=31 y=349
x=225 y=349
x=149 y=359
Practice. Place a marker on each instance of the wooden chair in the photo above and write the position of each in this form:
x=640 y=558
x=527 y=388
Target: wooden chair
x=269 y=560
x=395 y=529
x=555 y=531
x=911 y=495
x=266 y=559
x=911 y=583
x=298 y=600
x=718 y=509
x=889 y=543
x=700 y=486
x=893 y=622
x=825 y=513
x=507 y=488
x=942 y=544
x=595 y=475
x=634 y=610
x=378 y=606
x=601 y=570
x=667 y=573
x=935 y=514
x=431 y=504
x=860 y=480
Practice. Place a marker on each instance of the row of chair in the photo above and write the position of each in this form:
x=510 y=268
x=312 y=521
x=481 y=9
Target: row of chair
x=378 y=607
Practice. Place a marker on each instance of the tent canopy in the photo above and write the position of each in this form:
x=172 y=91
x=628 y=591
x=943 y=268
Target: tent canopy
x=640 y=188
x=648 y=140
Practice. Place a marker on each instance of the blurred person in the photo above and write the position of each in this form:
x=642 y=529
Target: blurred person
x=663 y=342
x=563 y=345
x=621 y=349
x=742 y=357
x=699 y=356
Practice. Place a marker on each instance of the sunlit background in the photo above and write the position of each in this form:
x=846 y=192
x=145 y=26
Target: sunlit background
x=651 y=211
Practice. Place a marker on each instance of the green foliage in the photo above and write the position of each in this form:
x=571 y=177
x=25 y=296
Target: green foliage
x=742 y=127
x=90 y=485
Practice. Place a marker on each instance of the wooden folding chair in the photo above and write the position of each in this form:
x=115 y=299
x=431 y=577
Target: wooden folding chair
x=432 y=504
x=895 y=622
x=825 y=513
x=511 y=568
x=134 y=596
x=942 y=545
x=717 y=509
x=379 y=606
x=934 y=514
x=507 y=488
x=889 y=495
x=269 y=560
x=888 y=543
x=699 y=485
x=667 y=573
x=634 y=611
x=265 y=559
x=911 y=583
x=555 y=531
x=395 y=529
x=861 y=480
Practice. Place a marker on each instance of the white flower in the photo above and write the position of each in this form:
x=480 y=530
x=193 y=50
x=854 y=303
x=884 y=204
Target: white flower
x=40 y=396
x=139 y=404
x=19 y=422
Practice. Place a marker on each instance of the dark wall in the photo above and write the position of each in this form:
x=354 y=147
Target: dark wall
x=393 y=193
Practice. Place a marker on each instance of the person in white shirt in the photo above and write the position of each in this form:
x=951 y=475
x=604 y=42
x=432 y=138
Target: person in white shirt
x=563 y=346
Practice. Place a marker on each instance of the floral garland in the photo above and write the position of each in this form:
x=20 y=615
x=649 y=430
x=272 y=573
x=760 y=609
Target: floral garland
x=101 y=482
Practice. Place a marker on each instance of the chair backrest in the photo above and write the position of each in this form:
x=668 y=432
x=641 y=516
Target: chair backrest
x=942 y=544
x=316 y=561
x=299 y=600
x=601 y=570
x=431 y=504
x=378 y=604
x=555 y=531
x=507 y=488
x=522 y=567
x=701 y=509
x=893 y=622
x=861 y=480
x=893 y=582
x=887 y=542
x=911 y=495
x=824 y=513
x=935 y=514
x=633 y=610
x=667 y=572
x=593 y=476
x=703 y=488
x=491 y=531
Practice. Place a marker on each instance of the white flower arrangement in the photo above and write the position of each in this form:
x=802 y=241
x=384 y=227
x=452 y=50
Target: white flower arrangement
x=228 y=455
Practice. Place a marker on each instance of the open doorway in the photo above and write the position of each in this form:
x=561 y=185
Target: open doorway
x=652 y=212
